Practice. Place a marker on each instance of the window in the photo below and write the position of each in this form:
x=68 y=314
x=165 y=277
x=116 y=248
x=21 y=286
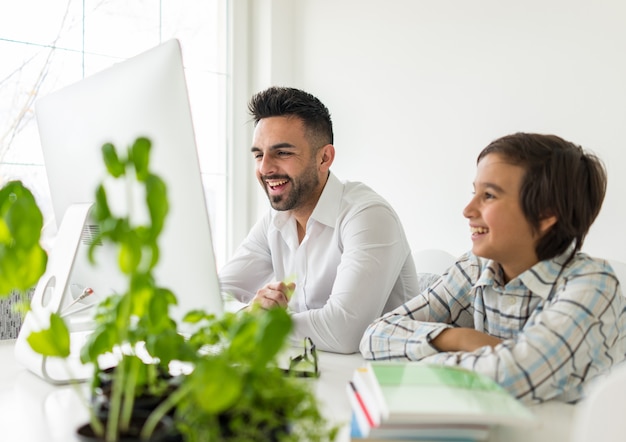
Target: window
x=46 y=45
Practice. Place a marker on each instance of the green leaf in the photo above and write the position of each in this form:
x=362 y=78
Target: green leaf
x=243 y=338
x=5 y=233
x=156 y=199
x=114 y=165
x=152 y=251
x=195 y=316
x=158 y=309
x=22 y=259
x=101 y=209
x=167 y=346
x=215 y=387
x=54 y=341
x=101 y=341
x=130 y=254
x=288 y=281
x=275 y=326
x=32 y=267
x=21 y=269
x=140 y=157
x=23 y=217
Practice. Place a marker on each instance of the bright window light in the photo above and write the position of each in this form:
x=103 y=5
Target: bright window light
x=48 y=44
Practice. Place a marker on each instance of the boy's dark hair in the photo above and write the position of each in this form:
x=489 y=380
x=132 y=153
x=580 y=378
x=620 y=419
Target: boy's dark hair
x=285 y=101
x=561 y=180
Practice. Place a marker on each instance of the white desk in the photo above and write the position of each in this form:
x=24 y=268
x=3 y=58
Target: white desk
x=32 y=410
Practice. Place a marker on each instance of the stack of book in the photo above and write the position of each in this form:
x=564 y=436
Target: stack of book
x=415 y=401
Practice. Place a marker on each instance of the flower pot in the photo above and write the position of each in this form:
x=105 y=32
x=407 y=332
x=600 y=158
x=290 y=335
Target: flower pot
x=165 y=431
x=143 y=406
x=145 y=402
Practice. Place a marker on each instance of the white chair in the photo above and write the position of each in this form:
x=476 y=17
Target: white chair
x=430 y=264
x=599 y=416
x=434 y=261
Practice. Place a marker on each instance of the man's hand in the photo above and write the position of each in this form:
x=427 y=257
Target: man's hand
x=463 y=339
x=274 y=294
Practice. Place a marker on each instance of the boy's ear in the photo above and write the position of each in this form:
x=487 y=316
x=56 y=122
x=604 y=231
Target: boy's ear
x=546 y=223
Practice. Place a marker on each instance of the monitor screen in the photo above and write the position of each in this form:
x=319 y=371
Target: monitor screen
x=145 y=96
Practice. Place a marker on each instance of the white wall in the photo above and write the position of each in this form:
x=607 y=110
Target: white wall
x=417 y=88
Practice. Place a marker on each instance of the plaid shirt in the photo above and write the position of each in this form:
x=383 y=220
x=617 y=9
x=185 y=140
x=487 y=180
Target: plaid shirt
x=560 y=326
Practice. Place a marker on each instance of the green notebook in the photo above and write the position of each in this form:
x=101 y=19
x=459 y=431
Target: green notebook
x=412 y=392
x=416 y=401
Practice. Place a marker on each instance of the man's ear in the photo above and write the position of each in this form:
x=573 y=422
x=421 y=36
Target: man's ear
x=546 y=223
x=326 y=157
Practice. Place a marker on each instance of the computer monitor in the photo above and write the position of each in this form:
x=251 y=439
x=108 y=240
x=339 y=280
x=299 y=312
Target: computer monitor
x=145 y=96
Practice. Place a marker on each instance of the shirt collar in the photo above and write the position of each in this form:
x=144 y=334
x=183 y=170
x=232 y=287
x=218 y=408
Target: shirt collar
x=327 y=209
x=542 y=277
x=539 y=279
x=490 y=275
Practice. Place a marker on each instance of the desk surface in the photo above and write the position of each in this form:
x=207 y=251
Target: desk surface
x=32 y=410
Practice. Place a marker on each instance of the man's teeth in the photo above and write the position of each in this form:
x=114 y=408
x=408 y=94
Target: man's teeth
x=479 y=229
x=276 y=183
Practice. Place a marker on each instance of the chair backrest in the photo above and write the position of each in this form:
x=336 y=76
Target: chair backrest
x=434 y=261
x=599 y=416
x=430 y=264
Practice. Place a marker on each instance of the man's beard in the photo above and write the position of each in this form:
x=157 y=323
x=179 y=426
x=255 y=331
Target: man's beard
x=299 y=193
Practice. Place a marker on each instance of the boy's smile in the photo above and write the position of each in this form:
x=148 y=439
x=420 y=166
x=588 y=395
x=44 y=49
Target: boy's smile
x=478 y=230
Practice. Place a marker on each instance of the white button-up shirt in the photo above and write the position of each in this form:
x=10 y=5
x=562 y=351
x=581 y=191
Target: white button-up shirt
x=353 y=264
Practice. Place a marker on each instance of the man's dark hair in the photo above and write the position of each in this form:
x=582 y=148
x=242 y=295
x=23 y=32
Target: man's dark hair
x=290 y=102
x=561 y=180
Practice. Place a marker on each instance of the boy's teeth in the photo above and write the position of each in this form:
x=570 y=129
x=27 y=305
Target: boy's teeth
x=479 y=229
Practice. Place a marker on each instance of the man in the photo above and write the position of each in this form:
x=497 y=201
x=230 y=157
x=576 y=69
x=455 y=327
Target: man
x=334 y=253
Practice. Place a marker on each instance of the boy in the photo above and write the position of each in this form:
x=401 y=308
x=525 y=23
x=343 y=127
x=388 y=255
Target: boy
x=525 y=306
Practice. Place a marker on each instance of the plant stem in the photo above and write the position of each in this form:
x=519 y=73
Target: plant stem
x=128 y=396
x=115 y=403
x=162 y=409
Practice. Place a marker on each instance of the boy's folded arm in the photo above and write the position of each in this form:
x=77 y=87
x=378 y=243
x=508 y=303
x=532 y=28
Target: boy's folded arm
x=463 y=339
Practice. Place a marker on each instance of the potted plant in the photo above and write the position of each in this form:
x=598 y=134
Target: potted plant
x=23 y=261
x=230 y=386
x=134 y=325
x=233 y=388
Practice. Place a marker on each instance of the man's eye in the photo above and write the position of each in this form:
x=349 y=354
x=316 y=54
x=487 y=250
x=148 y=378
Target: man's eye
x=283 y=153
x=257 y=156
x=489 y=196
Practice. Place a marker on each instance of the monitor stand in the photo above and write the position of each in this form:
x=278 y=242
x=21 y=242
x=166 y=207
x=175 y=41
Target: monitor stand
x=58 y=291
